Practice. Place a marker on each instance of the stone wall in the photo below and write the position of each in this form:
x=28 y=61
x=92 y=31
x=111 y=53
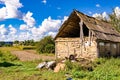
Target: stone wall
x=67 y=46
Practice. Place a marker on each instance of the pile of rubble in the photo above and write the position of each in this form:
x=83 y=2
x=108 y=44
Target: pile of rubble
x=53 y=65
x=56 y=66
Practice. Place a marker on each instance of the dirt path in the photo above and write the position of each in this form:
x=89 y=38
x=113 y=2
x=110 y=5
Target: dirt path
x=29 y=55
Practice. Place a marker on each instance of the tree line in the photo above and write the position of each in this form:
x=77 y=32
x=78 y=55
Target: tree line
x=25 y=43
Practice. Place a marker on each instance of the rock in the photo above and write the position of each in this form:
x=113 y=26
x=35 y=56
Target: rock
x=60 y=66
x=41 y=65
x=51 y=65
x=48 y=65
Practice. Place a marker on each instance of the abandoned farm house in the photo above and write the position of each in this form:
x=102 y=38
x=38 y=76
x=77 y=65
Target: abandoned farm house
x=86 y=37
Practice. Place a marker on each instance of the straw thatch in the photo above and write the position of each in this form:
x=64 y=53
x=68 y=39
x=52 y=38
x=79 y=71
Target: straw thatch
x=102 y=30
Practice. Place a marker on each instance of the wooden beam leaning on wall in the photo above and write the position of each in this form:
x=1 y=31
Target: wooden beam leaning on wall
x=81 y=36
x=81 y=33
x=90 y=36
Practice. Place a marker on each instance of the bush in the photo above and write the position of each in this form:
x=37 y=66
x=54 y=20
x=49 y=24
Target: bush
x=46 y=45
x=49 y=48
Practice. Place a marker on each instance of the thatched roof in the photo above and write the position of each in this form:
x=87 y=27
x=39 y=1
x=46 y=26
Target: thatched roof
x=101 y=29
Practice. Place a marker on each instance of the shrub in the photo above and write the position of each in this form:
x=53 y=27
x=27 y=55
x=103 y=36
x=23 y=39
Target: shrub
x=49 y=48
x=46 y=45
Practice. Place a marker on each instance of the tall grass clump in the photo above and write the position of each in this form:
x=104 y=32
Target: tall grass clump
x=72 y=66
x=7 y=56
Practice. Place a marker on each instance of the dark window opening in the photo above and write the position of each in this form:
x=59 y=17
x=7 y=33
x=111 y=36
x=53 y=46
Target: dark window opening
x=75 y=31
x=85 y=30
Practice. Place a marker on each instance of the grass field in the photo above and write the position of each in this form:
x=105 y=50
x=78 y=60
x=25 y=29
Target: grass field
x=8 y=48
x=15 y=48
x=11 y=68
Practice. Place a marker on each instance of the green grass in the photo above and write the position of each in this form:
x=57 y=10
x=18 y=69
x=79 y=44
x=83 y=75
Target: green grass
x=6 y=56
x=110 y=70
x=8 y=48
x=101 y=69
x=13 y=69
x=26 y=47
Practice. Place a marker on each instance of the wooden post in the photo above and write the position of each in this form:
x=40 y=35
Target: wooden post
x=89 y=37
x=92 y=35
x=55 y=50
x=81 y=36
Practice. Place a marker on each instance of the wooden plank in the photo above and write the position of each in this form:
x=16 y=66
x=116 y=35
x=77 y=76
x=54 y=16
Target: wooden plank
x=81 y=36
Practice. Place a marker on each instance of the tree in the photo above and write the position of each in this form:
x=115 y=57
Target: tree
x=16 y=42
x=46 y=45
x=2 y=43
x=115 y=21
x=50 y=48
x=32 y=43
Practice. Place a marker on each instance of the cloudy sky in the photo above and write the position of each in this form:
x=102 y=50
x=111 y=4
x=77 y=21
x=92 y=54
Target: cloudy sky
x=34 y=19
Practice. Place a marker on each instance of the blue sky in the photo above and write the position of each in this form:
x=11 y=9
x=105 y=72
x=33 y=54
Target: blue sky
x=34 y=19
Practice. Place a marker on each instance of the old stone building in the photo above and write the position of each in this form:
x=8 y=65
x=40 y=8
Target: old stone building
x=87 y=37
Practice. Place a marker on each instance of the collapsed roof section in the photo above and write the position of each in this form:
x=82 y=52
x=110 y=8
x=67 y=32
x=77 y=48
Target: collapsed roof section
x=101 y=29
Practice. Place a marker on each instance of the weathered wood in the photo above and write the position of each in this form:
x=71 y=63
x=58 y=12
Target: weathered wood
x=89 y=37
x=81 y=36
x=56 y=50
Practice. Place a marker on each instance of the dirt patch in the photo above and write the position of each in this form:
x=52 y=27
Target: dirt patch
x=30 y=55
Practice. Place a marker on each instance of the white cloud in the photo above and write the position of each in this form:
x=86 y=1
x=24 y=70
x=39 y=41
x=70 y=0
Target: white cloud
x=64 y=19
x=28 y=19
x=2 y=13
x=53 y=34
x=12 y=29
x=24 y=36
x=44 y=1
x=49 y=26
x=96 y=15
x=35 y=31
x=23 y=27
x=103 y=16
x=3 y=30
x=97 y=5
x=11 y=9
x=117 y=11
x=46 y=26
x=2 y=37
